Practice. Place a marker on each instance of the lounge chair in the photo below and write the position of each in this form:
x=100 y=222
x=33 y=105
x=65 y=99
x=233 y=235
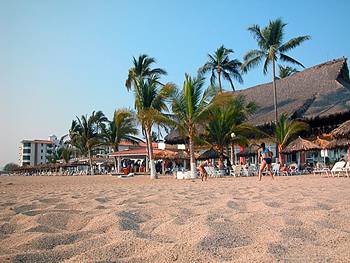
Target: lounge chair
x=294 y=169
x=276 y=169
x=338 y=168
x=237 y=170
x=346 y=169
x=321 y=169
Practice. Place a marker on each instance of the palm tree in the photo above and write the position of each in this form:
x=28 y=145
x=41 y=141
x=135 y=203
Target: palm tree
x=190 y=107
x=122 y=127
x=150 y=98
x=220 y=64
x=227 y=118
x=271 y=48
x=85 y=133
x=142 y=70
x=285 y=129
x=286 y=71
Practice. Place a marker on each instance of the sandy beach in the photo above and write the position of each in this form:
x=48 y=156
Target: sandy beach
x=107 y=219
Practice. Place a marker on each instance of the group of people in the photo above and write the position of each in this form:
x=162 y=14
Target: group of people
x=265 y=156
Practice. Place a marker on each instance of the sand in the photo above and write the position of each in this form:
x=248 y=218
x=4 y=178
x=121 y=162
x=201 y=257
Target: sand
x=108 y=219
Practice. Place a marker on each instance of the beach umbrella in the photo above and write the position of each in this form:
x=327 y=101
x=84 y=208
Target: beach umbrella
x=300 y=145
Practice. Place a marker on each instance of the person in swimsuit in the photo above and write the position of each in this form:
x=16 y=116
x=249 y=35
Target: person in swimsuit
x=202 y=172
x=266 y=160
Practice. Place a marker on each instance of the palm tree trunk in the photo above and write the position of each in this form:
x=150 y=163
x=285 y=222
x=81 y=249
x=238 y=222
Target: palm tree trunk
x=192 y=159
x=274 y=88
x=147 y=146
x=219 y=77
x=115 y=149
x=275 y=95
x=90 y=162
x=152 y=166
x=232 y=159
x=280 y=157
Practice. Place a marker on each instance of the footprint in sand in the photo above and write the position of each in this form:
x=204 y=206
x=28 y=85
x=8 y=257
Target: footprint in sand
x=273 y=204
x=102 y=199
x=278 y=250
x=49 y=241
x=223 y=237
x=131 y=220
x=298 y=232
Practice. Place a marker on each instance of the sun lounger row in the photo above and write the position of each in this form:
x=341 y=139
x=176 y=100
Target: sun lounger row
x=338 y=169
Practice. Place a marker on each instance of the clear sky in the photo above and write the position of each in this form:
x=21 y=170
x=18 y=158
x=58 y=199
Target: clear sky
x=59 y=59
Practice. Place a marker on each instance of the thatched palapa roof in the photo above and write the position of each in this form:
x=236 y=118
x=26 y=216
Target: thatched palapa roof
x=252 y=150
x=343 y=131
x=210 y=154
x=301 y=144
x=339 y=143
x=320 y=91
x=321 y=142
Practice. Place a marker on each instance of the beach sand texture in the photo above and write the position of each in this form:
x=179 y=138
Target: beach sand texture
x=107 y=219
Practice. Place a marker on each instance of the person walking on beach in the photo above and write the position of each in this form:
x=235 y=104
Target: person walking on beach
x=202 y=172
x=266 y=159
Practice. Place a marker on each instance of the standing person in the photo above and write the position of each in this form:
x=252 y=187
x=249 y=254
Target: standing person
x=266 y=159
x=203 y=173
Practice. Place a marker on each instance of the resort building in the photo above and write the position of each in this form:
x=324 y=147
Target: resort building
x=319 y=95
x=34 y=152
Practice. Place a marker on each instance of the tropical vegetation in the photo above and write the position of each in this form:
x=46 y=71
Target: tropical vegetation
x=122 y=127
x=228 y=116
x=271 y=49
x=85 y=133
x=190 y=107
x=150 y=99
x=285 y=130
x=220 y=65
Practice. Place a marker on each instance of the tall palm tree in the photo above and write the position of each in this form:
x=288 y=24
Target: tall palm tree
x=144 y=82
x=286 y=71
x=220 y=64
x=85 y=133
x=151 y=104
x=190 y=107
x=271 y=48
x=227 y=118
x=285 y=129
x=142 y=69
x=122 y=127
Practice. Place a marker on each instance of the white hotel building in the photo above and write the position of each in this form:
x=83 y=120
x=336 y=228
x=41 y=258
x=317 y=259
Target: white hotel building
x=33 y=152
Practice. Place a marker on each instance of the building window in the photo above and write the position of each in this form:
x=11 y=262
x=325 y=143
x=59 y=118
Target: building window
x=26 y=150
x=42 y=150
x=27 y=144
x=26 y=157
x=42 y=145
x=41 y=157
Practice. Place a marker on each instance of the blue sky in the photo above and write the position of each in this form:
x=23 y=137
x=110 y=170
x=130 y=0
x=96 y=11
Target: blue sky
x=63 y=58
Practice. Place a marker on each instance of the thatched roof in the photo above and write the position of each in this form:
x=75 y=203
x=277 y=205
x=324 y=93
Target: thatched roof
x=252 y=150
x=210 y=154
x=321 y=142
x=339 y=143
x=171 y=155
x=176 y=137
x=343 y=131
x=301 y=144
x=320 y=91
